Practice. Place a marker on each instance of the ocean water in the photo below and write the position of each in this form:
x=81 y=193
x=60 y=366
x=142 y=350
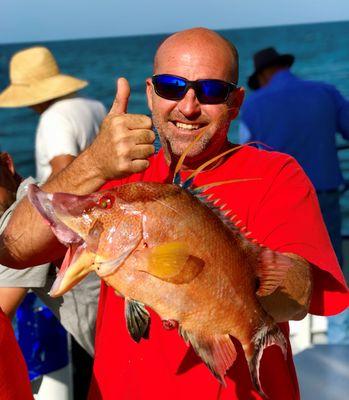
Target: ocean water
x=321 y=50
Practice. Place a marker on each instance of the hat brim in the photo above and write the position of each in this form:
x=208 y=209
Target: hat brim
x=16 y=95
x=286 y=60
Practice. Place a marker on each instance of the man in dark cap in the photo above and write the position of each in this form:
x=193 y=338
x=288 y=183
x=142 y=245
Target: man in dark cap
x=300 y=118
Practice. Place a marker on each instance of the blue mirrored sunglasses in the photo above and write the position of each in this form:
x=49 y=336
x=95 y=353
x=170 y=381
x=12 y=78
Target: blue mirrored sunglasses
x=207 y=91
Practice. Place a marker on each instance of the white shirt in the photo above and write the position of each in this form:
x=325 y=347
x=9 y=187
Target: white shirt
x=66 y=128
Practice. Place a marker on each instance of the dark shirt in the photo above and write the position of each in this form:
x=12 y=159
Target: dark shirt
x=300 y=118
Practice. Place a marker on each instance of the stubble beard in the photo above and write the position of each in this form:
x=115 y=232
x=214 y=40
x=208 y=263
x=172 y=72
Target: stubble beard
x=175 y=146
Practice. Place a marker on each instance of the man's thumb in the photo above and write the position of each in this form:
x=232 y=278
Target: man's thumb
x=121 y=98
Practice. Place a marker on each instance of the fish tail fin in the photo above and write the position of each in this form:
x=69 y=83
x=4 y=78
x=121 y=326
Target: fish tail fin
x=218 y=352
x=265 y=337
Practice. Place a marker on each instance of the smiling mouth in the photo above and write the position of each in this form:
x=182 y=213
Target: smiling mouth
x=187 y=127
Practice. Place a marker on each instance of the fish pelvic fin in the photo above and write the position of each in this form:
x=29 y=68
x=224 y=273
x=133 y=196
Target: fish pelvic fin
x=265 y=337
x=137 y=320
x=271 y=270
x=217 y=352
x=171 y=262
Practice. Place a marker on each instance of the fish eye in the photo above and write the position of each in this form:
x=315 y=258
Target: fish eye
x=106 y=201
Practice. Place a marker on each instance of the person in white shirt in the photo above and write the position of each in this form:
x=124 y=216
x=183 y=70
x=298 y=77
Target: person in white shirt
x=65 y=129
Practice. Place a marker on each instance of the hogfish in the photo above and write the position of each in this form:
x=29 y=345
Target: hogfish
x=168 y=247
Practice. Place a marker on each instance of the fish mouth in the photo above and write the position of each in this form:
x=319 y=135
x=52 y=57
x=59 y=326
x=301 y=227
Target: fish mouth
x=47 y=206
x=78 y=261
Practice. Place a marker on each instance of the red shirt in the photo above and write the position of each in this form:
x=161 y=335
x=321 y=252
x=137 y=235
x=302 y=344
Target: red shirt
x=14 y=378
x=282 y=212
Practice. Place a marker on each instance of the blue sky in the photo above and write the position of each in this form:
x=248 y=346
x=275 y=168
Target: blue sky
x=40 y=20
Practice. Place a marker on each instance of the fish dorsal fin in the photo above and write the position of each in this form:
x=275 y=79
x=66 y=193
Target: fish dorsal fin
x=137 y=319
x=171 y=262
x=231 y=221
x=216 y=351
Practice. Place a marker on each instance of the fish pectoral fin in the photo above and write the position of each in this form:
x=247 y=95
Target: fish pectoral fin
x=137 y=320
x=271 y=271
x=172 y=262
x=217 y=352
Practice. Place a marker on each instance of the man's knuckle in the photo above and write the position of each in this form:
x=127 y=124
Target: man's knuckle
x=147 y=121
x=123 y=149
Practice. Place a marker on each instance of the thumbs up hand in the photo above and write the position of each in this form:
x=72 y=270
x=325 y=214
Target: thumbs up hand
x=124 y=142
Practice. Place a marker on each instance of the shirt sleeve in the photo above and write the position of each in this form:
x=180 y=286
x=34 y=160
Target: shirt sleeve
x=295 y=225
x=56 y=136
x=342 y=111
x=342 y=107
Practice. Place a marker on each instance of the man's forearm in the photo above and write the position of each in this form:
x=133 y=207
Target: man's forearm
x=291 y=300
x=28 y=240
x=11 y=298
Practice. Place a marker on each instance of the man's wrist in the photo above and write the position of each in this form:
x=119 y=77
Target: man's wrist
x=82 y=176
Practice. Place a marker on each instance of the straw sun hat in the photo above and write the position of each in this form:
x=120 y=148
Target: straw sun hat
x=35 y=78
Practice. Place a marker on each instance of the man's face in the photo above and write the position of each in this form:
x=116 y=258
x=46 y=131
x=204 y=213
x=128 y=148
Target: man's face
x=179 y=122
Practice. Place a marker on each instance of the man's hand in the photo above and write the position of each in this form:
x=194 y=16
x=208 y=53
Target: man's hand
x=286 y=285
x=124 y=142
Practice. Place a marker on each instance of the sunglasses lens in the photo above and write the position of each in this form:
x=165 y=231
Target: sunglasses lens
x=169 y=87
x=212 y=91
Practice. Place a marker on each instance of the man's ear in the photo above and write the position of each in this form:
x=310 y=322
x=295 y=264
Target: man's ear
x=149 y=94
x=238 y=98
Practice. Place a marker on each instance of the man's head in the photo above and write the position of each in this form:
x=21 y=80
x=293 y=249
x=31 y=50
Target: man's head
x=9 y=182
x=267 y=63
x=195 y=54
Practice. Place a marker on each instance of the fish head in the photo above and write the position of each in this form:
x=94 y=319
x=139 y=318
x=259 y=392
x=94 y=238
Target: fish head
x=100 y=231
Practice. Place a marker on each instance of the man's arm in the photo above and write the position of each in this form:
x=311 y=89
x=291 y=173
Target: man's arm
x=11 y=298
x=122 y=147
x=58 y=163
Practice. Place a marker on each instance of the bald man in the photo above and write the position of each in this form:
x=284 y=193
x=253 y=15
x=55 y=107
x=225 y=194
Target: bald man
x=194 y=90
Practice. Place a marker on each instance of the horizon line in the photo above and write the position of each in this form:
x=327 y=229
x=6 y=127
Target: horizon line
x=168 y=33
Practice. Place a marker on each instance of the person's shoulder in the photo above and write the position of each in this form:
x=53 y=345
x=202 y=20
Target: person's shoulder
x=88 y=101
x=72 y=103
x=54 y=115
x=317 y=85
x=269 y=163
x=252 y=99
x=265 y=156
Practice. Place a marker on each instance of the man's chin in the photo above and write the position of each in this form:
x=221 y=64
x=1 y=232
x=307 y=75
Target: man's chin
x=195 y=154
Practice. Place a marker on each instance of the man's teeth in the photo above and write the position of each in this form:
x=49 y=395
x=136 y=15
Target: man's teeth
x=189 y=127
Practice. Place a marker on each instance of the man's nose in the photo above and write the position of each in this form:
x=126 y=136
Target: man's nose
x=189 y=106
